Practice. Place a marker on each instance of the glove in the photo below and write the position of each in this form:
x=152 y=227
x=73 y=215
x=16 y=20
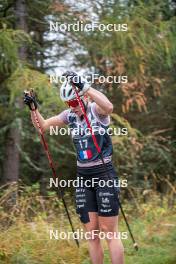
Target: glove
x=30 y=99
x=77 y=80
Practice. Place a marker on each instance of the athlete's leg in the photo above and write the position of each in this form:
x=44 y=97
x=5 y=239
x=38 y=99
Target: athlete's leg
x=110 y=224
x=95 y=248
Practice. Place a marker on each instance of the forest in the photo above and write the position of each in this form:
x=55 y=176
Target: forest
x=136 y=63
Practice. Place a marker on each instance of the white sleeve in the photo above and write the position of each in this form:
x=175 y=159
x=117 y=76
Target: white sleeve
x=64 y=116
x=103 y=119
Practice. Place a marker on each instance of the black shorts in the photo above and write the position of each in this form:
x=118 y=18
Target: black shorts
x=97 y=192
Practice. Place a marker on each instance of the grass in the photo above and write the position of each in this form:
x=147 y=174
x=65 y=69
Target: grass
x=156 y=240
x=27 y=241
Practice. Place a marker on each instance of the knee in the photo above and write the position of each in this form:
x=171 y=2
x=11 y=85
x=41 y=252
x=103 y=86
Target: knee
x=108 y=233
x=104 y=228
x=93 y=237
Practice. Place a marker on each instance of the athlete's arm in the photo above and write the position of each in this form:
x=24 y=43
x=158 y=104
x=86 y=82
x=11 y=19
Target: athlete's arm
x=31 y=102
x=46 y=123
x=103 y=105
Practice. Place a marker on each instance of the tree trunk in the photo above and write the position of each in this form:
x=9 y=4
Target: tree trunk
x=21 y=23
x=11 y=163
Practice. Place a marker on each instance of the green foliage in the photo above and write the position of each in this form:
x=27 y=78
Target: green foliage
x=10 y=41
x=145 y=49
x=122 y=122
x=9 y=55
x=24 y=78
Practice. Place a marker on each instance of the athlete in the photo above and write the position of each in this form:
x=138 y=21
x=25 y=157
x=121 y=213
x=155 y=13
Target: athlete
x=97 y=204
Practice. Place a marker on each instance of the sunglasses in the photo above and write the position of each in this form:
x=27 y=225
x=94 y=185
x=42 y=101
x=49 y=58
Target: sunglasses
x=73 y=103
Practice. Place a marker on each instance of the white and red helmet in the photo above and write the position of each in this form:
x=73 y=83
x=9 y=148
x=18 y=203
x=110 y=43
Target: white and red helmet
x=67 y=92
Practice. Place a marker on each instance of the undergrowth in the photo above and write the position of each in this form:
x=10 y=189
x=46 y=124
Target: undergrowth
x=25 y=231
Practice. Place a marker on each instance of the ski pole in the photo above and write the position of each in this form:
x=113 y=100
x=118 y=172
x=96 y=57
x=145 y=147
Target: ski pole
x=135 y=245
x=51 y=164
